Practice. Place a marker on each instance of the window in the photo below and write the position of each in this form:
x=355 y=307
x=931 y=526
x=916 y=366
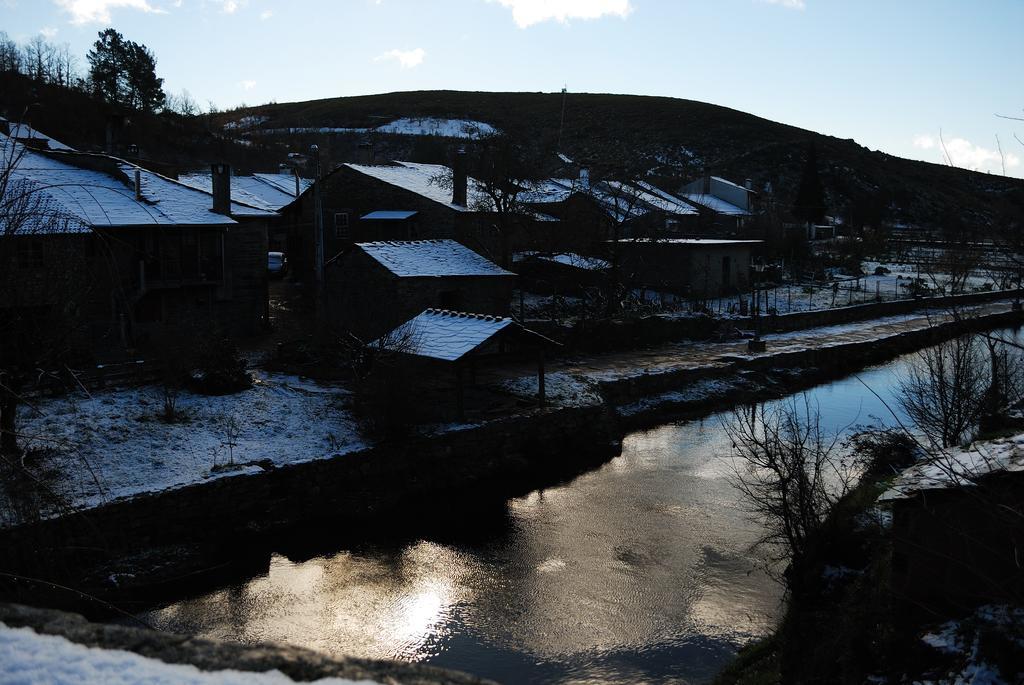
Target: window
x=30 y=253
x=341 y=225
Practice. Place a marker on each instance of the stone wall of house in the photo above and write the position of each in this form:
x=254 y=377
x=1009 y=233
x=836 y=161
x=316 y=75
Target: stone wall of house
x=348 y=192
x=698 y=270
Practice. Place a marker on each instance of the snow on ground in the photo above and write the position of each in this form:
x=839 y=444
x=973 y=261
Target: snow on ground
x=559 y=388
x=958 y=467
x=246 y=122
x=708 y=389
x=26 y=658
x=431 y=126
x=114 y=444
x=406 y=126
x=964 y=641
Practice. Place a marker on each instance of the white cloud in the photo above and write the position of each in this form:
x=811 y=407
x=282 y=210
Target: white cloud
x=48 y=32
x=407 y=59
x=266 y=14
x=230 y=6
x=964 y=153
x=248 y=84
x=526 y=13
x=960 y=152
x=88 y=11
x=788 y=4
x=924 y=142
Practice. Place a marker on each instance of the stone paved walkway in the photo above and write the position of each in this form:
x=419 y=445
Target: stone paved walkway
x=709 y=354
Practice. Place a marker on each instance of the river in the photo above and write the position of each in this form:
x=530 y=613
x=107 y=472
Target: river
x=640 y=570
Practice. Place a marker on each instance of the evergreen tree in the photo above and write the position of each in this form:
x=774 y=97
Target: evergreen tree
x=809 y=205
x=144 y=86
x=106 y=63
x=123 y=72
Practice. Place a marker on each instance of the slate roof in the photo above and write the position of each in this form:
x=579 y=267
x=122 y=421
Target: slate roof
x=430 y=258
x=91 y=190
x=424 y=180
x=446 y=335
x=716 y=204
x=388 y=215
x=270 y=192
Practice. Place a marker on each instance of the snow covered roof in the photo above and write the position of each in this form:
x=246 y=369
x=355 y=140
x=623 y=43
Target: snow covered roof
x=26 y=132
x=619 y=199
x=269 y=192
x=446 y=335
x=550 y=191
x=568 y=259
x=959 y=467
x=431 y=258
x=716 y=204
x=426 y=180
x=388 y=215
x=641 y=193
x=92 y=190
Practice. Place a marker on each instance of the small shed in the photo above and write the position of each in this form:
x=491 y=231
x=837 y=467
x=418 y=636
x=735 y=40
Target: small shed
x=373 y=287
x=459 y=340
x=565 y=273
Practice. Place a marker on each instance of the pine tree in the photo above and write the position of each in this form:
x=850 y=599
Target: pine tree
x=809 y=205
x=106 y=63
x=145 y=88
x=123 y=72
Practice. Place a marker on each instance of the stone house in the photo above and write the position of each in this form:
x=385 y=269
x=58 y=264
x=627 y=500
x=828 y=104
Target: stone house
x=140 y=252
x=698 y=267
x=593 y=212
x=373 y=287
x=726 y=208
x=268 y=191
x=398 y=201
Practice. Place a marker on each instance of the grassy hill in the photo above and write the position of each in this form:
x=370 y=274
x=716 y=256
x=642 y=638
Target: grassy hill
x=675 y=139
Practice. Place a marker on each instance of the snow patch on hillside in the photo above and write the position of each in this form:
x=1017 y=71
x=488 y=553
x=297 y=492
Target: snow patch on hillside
x=406 y=126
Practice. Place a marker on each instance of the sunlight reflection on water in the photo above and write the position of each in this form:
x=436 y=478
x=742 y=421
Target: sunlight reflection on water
x=639 y=570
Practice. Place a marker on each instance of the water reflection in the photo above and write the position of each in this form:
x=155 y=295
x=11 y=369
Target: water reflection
x=641 y=570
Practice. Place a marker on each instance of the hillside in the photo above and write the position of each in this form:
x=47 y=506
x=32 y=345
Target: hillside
x=671 y=139
x=674 y=139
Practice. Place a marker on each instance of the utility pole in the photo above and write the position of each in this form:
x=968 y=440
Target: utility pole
x=561 y=122
x=318 y=230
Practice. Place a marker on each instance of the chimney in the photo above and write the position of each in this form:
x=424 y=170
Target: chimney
x=138 y=184
x=364 y=153
x=220 y=175
x=298 y=184
x=749 y=184
x=707 y=181
x=584 y=178
x=459 y=179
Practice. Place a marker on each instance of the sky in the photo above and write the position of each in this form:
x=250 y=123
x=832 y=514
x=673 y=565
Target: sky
x=923 y=79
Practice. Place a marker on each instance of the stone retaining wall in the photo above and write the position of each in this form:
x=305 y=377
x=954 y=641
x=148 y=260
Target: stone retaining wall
x=607 y=335
x=232 y=513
